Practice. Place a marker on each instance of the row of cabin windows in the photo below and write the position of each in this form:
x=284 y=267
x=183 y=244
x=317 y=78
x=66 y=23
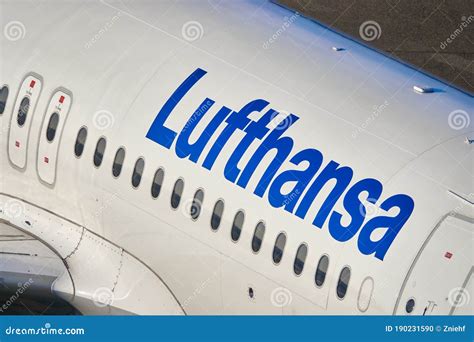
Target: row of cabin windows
x=198 y=199
x=237 y=224
x=217 y=213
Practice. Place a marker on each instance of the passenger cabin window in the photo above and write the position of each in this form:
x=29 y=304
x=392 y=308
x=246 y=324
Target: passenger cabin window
x=177 y=192
x=217 y=215
x=278 y=248
x=258 y=237
x=3 y=98
x=321 y=270
x=410 y=305
x=52 y=127
x=118 y=162
x=237 y=225
x=23 y=111
x=343 y=282
x=157 y=182
x=138 y=172
x=99 y=152
x=80 y=142
x=197 y=203
x=300 y=259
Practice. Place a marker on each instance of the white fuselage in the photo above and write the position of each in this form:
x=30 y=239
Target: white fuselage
x=117 y=67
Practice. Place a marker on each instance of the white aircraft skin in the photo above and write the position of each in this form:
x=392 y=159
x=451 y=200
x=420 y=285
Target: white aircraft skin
x=109 y=247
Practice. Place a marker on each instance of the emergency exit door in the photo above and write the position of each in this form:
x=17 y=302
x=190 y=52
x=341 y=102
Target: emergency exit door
x=439 y=282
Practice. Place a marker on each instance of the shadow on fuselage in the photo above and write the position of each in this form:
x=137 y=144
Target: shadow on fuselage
x=31 y=304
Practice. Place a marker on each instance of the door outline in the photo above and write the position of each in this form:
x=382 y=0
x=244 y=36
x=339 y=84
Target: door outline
x=44 y=122
x=464 y=284
x=420 y=252
x=33 y=109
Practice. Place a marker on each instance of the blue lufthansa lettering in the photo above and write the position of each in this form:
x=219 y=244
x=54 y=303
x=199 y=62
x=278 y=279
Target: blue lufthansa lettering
x=392 y=226
x=158 y=132
x=354 y=208
x=294 y=190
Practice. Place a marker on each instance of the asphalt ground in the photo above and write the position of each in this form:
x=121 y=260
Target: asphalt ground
x=436 y=36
